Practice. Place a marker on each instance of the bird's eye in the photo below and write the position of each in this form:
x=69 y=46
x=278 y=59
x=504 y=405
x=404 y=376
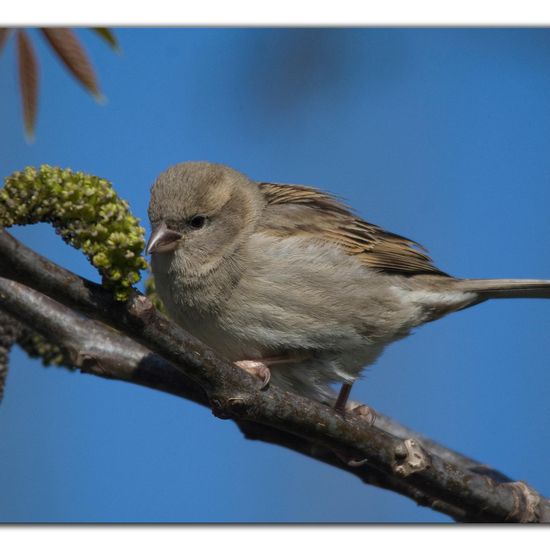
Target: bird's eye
x=196 y=222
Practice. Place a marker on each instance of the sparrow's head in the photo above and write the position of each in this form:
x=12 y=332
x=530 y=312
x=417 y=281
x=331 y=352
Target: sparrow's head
x=201 y=212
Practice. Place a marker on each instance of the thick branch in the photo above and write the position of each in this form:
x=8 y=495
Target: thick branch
x=94 y=348
x=233 y=393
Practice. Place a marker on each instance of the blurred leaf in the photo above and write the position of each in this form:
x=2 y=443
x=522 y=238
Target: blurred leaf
x=108 y=36
x=69 y=49
x=28 y=79
x=4 y=34
x=66 y=45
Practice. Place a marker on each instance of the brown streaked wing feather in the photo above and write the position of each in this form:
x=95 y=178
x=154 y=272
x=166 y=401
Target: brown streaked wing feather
x=306 y=210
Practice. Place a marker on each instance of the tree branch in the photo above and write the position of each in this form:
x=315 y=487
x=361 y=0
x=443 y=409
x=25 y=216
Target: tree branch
x=414 y=466
x=95 y=349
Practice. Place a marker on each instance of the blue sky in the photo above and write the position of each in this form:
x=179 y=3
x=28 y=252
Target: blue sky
x=437 y=134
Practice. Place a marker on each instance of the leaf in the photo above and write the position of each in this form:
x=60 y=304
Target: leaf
x=107 y=35
x=4 y=34
x=70 y=51
x=28 y=80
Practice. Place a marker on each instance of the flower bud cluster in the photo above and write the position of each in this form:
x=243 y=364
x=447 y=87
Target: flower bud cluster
x=86 y=212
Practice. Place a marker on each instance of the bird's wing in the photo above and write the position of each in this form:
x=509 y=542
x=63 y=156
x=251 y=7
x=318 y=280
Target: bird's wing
x=300 y=210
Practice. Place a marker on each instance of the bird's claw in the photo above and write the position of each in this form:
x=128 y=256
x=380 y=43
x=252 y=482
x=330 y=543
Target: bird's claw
x=350 y=460
x=257 y=369
x=364 y=412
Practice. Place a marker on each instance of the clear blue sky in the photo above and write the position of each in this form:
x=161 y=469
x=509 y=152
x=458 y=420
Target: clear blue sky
x=440 y=135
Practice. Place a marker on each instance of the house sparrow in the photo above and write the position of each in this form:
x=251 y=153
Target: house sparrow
x=285 y=281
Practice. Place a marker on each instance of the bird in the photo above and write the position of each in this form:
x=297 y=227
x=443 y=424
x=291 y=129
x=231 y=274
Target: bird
x=289 y=284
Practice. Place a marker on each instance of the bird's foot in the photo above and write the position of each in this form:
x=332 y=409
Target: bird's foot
x=351 y=460
x=258 y=369
x=344 y=407
x=363 y=412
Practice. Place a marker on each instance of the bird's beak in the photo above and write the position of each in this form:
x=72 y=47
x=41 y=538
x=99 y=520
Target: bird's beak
x=162 y=239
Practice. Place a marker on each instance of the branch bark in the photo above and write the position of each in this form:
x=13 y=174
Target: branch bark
x=95 y=349
x=171 y=360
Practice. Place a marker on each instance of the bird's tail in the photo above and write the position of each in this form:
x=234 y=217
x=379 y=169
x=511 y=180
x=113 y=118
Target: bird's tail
x=505 y=288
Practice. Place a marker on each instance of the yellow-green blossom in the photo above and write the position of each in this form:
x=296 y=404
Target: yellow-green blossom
x=86 y=212
x=37 y=346
x=151 y=293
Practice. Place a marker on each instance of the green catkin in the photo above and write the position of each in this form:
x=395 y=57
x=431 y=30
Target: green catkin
x=36 y=346
x=151 y=293
x=86 y=212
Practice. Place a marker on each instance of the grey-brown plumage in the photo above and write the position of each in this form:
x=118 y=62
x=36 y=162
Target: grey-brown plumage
x=288 y=276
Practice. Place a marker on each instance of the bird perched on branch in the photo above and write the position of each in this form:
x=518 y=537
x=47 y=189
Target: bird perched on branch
x=285 y=281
